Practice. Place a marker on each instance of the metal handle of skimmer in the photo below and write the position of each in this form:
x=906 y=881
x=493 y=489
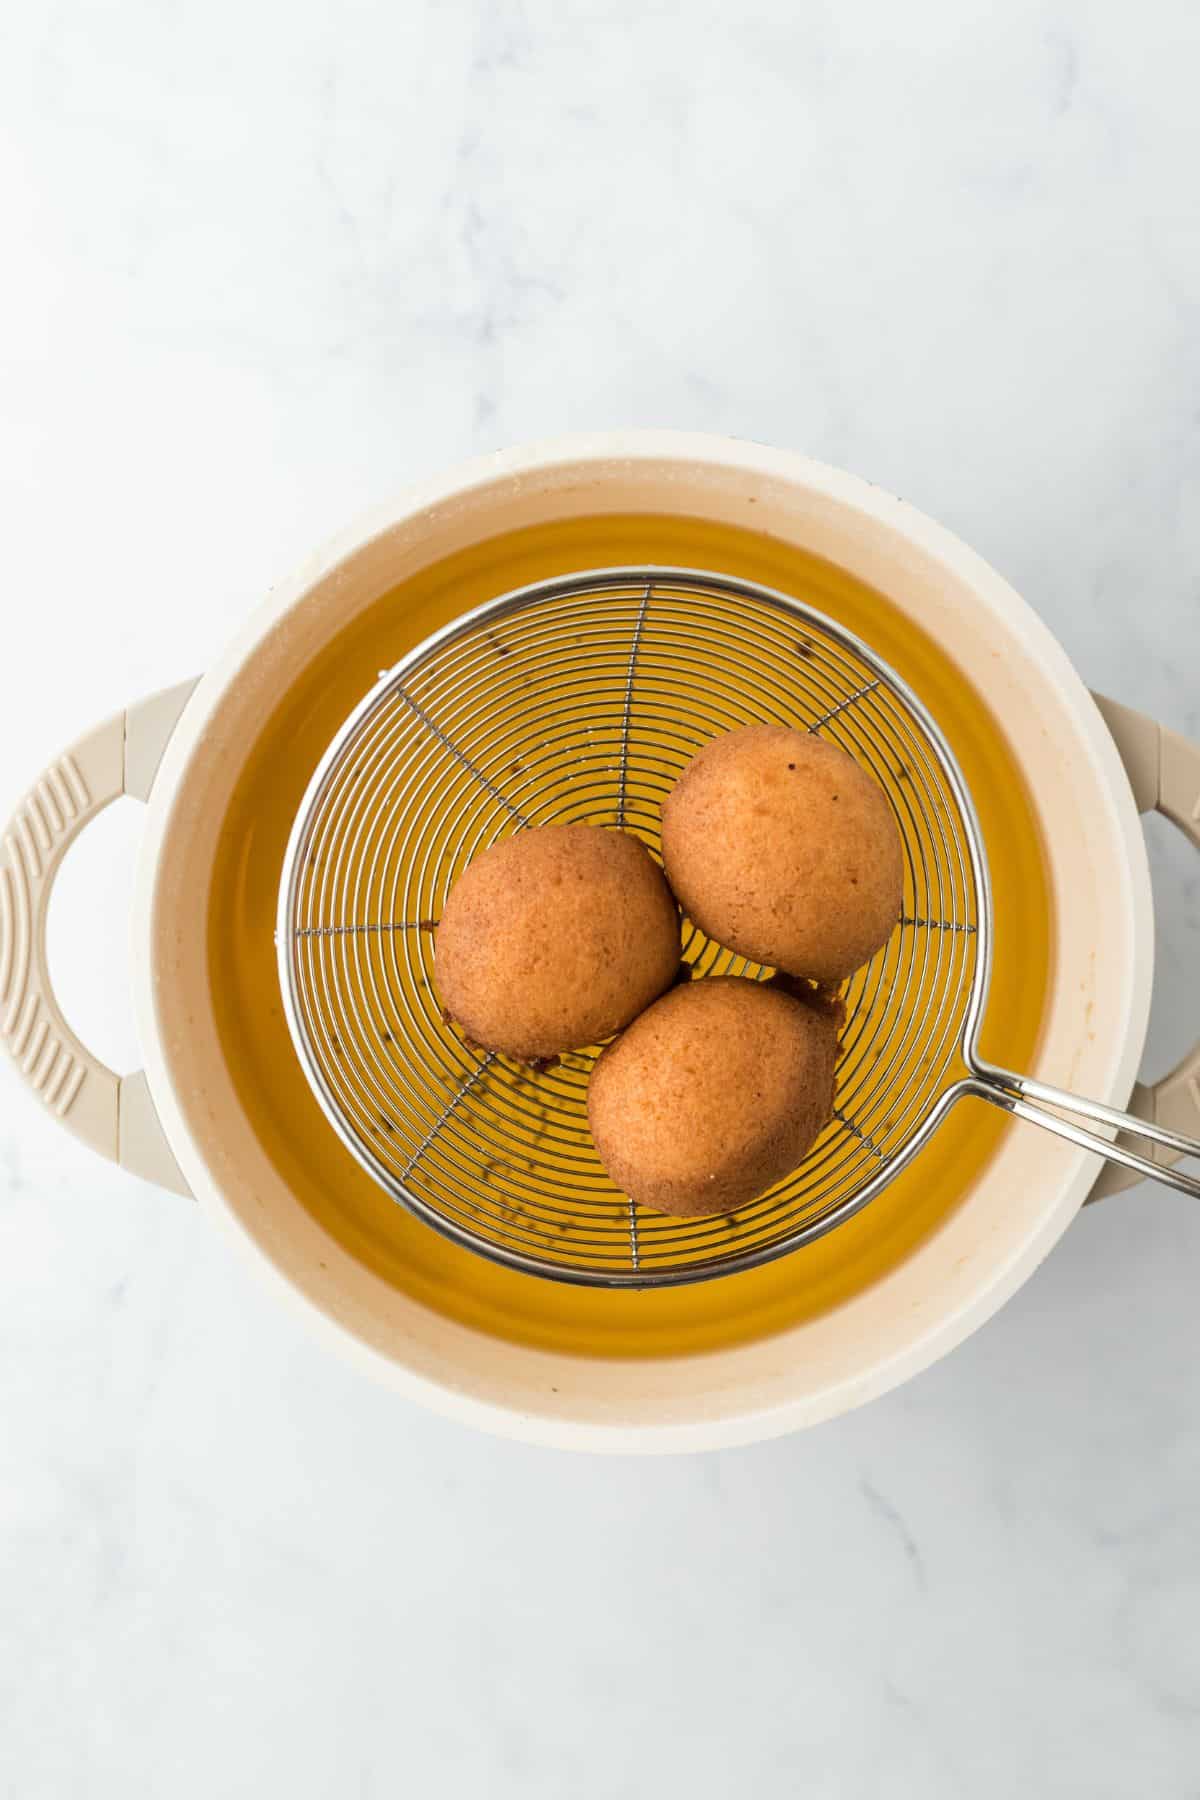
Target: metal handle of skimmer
x=1044 y=1105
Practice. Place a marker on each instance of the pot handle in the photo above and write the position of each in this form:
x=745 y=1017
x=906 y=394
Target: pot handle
x=1164 y=773
x=111 y=1113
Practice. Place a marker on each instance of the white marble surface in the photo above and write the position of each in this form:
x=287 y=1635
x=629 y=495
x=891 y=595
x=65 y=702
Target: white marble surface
x=264 y=262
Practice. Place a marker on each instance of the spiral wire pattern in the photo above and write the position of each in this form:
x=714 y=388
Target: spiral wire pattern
x=582 y=699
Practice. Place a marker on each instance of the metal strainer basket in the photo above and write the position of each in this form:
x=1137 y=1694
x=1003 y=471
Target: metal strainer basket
x=582 y=699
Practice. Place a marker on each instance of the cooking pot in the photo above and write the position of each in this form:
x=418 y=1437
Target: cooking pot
x=221 y=1110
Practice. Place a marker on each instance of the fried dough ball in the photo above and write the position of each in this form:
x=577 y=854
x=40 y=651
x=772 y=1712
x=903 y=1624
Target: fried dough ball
x=782 y=848
x=554 y=939
x=714 y=1094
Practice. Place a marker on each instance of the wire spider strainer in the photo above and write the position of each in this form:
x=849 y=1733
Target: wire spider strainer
x=581 y=699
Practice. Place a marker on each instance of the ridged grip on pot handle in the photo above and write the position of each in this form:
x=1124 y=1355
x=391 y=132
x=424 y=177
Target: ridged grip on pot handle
x=1164 y=773
x=112 y=1114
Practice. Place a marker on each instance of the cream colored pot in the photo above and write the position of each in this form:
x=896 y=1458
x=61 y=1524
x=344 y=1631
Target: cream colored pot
x=190 y=1121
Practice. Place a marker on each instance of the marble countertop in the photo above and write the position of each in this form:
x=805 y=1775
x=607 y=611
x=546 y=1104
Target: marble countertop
x=264 y=264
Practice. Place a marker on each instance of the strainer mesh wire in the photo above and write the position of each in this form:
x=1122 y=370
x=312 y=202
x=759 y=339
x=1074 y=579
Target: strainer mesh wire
x=584 y=701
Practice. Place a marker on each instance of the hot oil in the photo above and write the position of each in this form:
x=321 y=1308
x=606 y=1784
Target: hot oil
x=350 y=1205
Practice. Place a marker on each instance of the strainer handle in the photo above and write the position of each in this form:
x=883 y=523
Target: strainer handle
x=112 y=1114
x=1164 y=773
x=1033 y=1100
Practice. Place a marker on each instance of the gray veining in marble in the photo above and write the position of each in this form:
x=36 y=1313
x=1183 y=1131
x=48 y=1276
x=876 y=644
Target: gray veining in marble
x=264 y=263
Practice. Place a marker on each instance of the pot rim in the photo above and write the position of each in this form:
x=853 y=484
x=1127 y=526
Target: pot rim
x=562 y=1426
